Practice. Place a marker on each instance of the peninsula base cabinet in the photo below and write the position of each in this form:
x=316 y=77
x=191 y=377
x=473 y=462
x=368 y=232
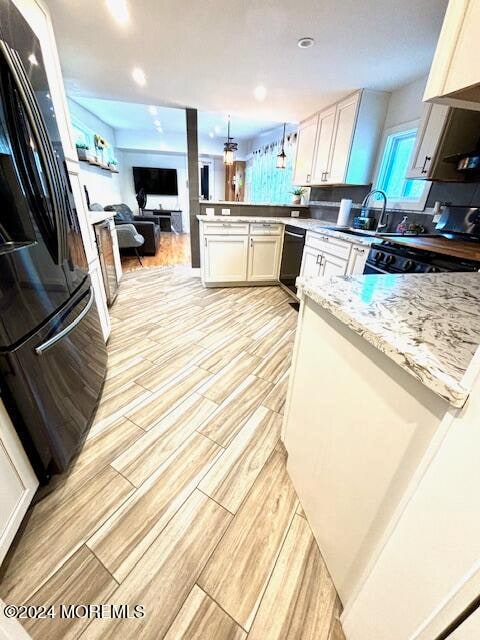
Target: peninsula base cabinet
x=240 y=253
x=18 y=482
x=225 y=258
x=264 y=258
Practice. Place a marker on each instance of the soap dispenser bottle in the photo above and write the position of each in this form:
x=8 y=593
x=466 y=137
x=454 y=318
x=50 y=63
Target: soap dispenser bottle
x=402 y=226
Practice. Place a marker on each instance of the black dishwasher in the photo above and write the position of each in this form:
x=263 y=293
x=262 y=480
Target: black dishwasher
x=293 y=243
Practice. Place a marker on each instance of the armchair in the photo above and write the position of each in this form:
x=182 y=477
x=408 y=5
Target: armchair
x=129 y=238
x=145 y=226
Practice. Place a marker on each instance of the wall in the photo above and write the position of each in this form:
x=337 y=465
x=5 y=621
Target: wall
x=134 y=158
x=405 y=103
x=103 y=186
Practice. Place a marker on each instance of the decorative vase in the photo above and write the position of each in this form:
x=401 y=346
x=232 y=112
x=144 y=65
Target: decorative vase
x=296 y=199
x=82 y=154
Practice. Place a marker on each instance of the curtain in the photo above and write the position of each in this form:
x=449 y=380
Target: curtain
x=264 y=183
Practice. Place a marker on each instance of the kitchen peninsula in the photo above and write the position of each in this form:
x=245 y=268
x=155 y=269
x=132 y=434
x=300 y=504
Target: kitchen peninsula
x=392 y=361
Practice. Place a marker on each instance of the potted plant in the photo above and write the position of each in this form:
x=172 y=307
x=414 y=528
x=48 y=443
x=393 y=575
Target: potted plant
x=298 y=194
x=82 y=151
x=113 y=165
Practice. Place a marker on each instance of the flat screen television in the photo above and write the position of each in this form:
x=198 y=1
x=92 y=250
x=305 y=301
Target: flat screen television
x=159 y=182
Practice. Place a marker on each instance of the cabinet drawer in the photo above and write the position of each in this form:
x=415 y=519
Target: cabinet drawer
x=225 y=228
x=328 y=244
x=265 y=229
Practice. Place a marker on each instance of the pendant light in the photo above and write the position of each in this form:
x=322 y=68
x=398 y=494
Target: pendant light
x=282 y=156
x=229 y=148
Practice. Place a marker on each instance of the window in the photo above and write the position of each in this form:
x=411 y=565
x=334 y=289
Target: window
x=397 y=148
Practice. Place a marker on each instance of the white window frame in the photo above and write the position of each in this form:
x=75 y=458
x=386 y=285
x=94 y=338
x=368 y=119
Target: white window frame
x=406 y=204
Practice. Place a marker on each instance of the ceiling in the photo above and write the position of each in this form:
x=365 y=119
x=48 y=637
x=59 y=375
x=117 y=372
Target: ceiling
x=212 y=54
x=130 y=115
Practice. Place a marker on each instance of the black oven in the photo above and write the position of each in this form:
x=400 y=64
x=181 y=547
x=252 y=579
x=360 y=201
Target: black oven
x=293 y=243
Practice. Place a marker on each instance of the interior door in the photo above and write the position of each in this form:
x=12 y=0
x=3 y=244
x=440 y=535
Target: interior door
x=345 y=119
x=326 y=122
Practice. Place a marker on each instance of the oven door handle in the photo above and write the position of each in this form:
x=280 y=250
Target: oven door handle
x=61 y=334
x=295 y=235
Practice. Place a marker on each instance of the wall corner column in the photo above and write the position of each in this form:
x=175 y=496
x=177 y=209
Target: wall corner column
x=193 y=183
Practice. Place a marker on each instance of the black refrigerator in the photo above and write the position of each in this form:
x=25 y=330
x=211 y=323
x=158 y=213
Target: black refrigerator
x=52 y=352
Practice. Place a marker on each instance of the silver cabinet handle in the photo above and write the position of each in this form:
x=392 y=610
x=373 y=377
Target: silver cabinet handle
x=308 y=177
x=319 y=258
x=226 y=224
x=251 y=242
x=358 y=250
x=61 y=334
x=326 y=238
x=205 y=239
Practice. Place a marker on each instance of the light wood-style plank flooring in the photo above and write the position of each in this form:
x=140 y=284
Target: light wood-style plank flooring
x=180 y=500
x=174 y=249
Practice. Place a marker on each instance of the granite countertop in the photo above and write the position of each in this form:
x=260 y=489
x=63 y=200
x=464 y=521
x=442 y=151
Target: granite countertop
x=429 y=324
x=252 y=204
x=309 y=224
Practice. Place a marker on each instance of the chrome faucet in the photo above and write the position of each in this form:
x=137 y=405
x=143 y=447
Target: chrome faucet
x=381 y=224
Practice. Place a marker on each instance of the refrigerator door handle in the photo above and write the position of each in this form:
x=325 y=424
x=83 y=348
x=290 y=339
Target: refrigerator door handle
x=61 y=334
x=46 y=152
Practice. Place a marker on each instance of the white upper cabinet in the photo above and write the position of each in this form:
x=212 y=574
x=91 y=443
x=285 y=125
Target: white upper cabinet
x=326 y=125
x=346 y=138
x=344 y=130
x=455 y=74
x=306 y=138
x=429 y=133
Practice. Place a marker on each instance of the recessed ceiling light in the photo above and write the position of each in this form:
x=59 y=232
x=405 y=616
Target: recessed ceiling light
x=139 y=76
x=305 y=43
x=211 y=134
x=260 y=93
x=119 y=10
x=157 y=123
x=153 y=110
x=218 y=128
x=32 y=58
x=159 y=129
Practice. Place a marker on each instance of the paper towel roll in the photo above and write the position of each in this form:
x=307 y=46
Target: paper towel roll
x=344 y=212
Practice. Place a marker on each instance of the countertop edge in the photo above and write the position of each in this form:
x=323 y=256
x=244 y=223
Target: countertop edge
x=442 y=385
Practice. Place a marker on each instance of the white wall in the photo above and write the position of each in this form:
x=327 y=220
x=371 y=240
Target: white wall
x=135 y=158
x=405 y=103
x=103 y=186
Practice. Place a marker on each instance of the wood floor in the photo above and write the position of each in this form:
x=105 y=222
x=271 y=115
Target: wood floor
x=180 y=500
x=174 y=249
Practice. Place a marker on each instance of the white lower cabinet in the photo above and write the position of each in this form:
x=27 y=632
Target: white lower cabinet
x=311 y=263
x=333 y=266
x=225 y=258
x=358 y=258
x=264 y=258
x=18 y=482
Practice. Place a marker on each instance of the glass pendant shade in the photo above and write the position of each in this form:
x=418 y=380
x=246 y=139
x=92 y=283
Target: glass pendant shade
x=229 y=148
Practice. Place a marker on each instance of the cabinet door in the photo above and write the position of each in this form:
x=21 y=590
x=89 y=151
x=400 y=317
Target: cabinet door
x=345 y=119
x=225 y=258
x=307 y=134
x=326 y=122
x=17 y=482
x=429 y=133
x=311 y=263
x=264 y=258
x=332 y=266
x=358 y=257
